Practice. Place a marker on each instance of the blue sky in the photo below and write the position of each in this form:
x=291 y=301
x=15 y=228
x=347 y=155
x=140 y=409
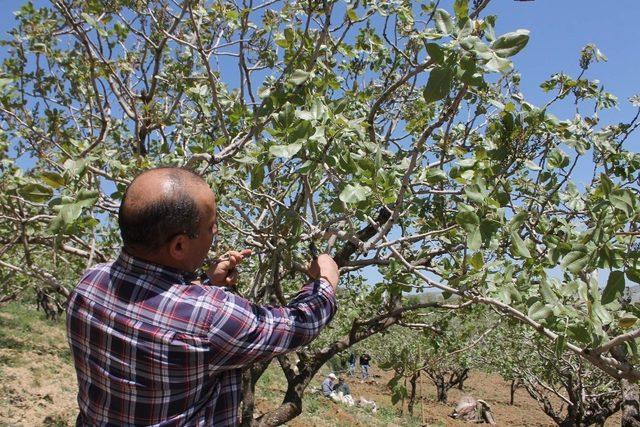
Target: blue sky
x=559 y=29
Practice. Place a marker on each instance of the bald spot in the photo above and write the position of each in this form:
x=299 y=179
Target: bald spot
x=161 y=184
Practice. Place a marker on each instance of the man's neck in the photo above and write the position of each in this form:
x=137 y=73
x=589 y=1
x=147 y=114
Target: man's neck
x=153 y=258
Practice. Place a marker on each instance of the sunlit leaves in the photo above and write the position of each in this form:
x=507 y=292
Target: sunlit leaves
x=354 y=193
x=577 y=259
x=286 y=151
x=461 y=8
x=511 y=43
x=519 y=247
x=298 y=77
x=443 y=21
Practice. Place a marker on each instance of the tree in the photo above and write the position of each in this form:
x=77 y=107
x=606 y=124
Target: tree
x=569 y=390
x=441 y=346
x=587 y=396
x=408 y=150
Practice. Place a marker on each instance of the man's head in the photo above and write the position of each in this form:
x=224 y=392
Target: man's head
x=332 y=376
x=168 y=216
x=340 y=378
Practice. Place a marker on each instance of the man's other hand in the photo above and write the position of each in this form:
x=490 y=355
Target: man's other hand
x=223 y=272
x=325 y=267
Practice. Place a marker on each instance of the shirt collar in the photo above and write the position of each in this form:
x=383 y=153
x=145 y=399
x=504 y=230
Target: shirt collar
x=140 y=266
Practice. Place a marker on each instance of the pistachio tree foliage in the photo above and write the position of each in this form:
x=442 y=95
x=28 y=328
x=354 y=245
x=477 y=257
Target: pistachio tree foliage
x=392 y=133
x=569 y=390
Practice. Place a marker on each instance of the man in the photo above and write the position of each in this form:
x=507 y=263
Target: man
x=365 y=359
x=352 y=364
x=153 y=347
x=343 y=391
x=328 y=385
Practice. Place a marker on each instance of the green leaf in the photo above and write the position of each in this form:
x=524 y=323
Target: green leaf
x=53 y=179
x=488 y=228
x=436 y=52
x=627 y=320
x=70 y=213
x=264 y=92
x=558 y=159
x=622 y=200
x=443 y=21
x=539 y=311
x=633 y=275
x=519 y=247
x=299 y=76
x=546 y=292
x=576 y=260
x=474 y=239
x=498 y=65
x=517 y=220
x=35 y=193
x=614 y=288
x=352 y=15
x=477 y=260
x=531 y=165
x=461 y=8
x=468 y=220
x=87 y=198
x=439 y=84
x=606 y=184
x=286 y=151
x=354 y=193
x=511 y=43
x=474 y=192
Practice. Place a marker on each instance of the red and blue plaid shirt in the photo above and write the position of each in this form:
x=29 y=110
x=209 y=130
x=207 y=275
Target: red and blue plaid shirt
x=152 y=348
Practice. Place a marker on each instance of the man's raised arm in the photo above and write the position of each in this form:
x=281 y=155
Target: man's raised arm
x=243 y=332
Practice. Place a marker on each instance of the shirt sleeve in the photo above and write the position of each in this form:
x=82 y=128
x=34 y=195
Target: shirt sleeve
x=243 y=332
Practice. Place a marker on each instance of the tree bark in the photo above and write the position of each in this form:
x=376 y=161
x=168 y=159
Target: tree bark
x=291 y=405
x=249 y=379
x=412 y=395
x=630 y=404
x=441 y=390
x=512 y=391
x=630 y=394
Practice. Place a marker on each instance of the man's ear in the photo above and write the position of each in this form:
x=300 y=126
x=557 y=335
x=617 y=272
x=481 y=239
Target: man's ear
x=177 y=247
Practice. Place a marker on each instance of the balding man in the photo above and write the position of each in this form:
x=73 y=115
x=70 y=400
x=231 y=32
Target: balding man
x=151 y=345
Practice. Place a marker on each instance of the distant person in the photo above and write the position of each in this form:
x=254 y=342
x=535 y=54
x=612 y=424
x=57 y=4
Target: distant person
x=352 y=364
x=328 y=385
x=344 y=392
x=153 y=346
x=365 y=359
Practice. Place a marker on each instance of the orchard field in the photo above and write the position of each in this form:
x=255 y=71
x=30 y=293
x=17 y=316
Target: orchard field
x=484 y=212
x=38 y=386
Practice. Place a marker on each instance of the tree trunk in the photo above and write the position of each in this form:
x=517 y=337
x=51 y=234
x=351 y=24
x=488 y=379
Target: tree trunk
x=512 y=391
x=412 y=395
x=630 y=405
x=441 y=390
x=250 y=377
x=291 y=405
x=462 y=378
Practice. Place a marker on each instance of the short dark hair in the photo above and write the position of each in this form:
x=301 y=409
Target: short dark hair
x=151 y=226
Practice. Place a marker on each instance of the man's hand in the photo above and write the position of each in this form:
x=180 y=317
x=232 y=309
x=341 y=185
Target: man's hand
x=223 y=272
x=325 y=267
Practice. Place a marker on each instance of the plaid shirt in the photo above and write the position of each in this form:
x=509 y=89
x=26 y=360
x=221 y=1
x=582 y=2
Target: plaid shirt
x=151 y=348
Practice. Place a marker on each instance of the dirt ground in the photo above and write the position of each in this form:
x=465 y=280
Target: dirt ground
x=37 y=380
x=427 y=412
x=38 y=387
